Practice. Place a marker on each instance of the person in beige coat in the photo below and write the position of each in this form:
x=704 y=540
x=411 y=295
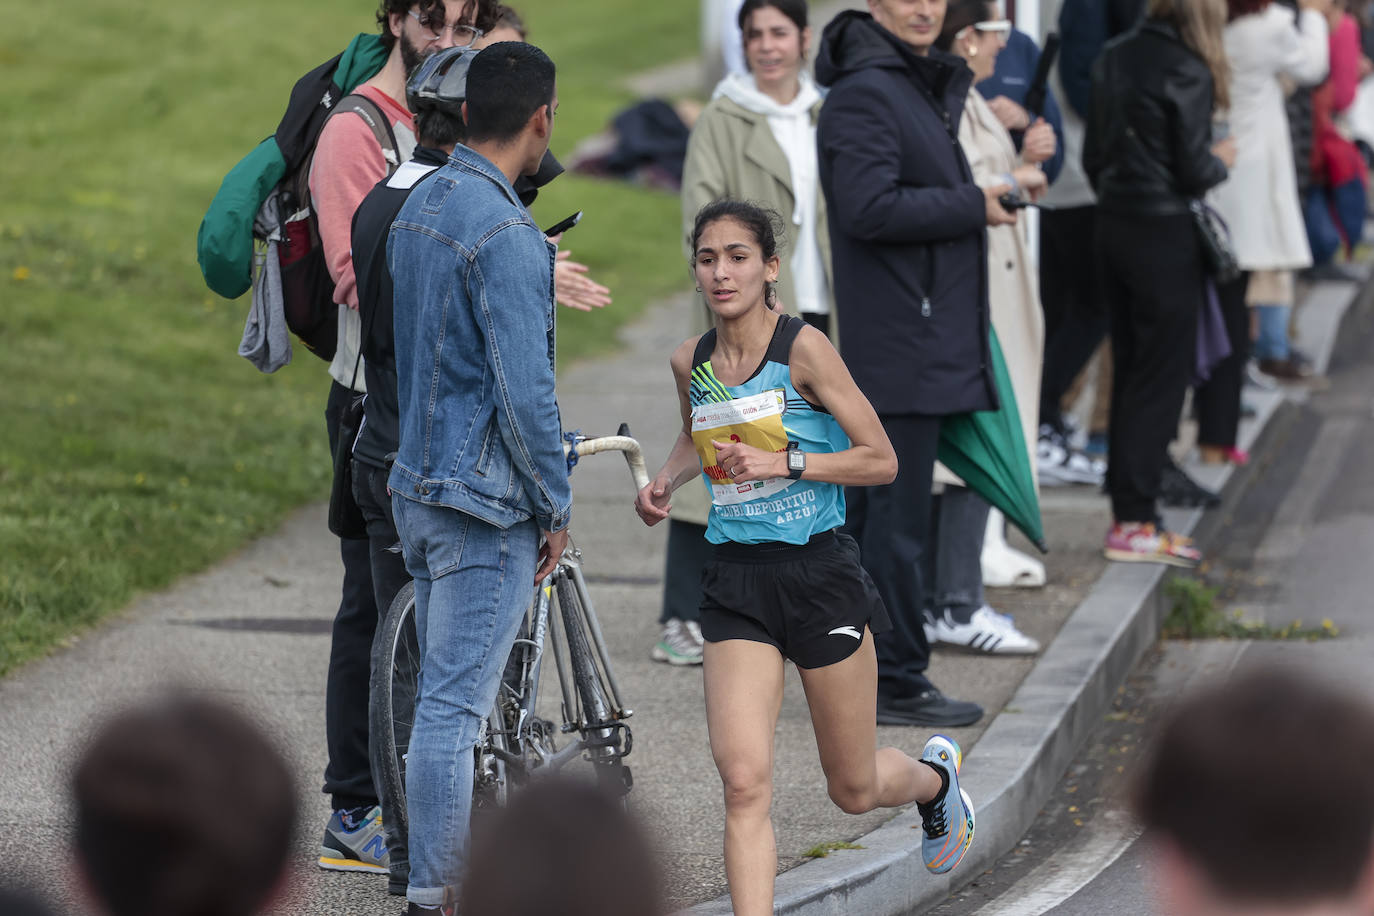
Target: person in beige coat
x=755 y=141
x=958 y=614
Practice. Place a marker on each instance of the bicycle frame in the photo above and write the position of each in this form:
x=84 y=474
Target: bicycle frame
x=543 y=628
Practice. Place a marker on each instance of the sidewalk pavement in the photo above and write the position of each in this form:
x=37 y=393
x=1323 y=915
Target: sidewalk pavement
x=255 y=630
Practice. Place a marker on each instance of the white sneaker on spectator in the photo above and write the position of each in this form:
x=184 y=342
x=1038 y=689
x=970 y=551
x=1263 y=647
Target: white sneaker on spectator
x=986 y=631
x=1257 y=379
x=1058 y=465
x=680 y=643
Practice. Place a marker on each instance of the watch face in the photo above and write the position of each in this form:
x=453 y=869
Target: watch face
x=796 y=461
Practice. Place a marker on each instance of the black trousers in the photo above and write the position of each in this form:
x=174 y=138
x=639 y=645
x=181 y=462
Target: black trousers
x=892 y=526
x=389 y=576
x=1218 y=399
x=348 y=776
x=1076 y=315
x=1152 y=276
x=688 y=554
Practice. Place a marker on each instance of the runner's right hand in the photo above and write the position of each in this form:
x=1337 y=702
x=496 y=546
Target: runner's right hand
x=653 y=502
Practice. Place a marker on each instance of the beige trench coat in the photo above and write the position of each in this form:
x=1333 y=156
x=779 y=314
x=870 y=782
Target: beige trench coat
x=1013 y=281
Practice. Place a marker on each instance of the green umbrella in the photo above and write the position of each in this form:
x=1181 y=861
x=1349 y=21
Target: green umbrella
x=987 y=449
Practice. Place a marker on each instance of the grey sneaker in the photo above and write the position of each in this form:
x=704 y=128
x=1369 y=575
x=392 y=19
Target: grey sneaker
x=680 y=643
x=361 y=849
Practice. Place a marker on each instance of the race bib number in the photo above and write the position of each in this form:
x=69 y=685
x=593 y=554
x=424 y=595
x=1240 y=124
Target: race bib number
x=755 y=420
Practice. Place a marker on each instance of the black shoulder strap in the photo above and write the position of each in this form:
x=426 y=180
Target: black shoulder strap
x=780 y=347
x=376 y=119
x=706 y=345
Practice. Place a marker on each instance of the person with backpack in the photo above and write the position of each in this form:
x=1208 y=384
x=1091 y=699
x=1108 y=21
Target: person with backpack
x=370 y=133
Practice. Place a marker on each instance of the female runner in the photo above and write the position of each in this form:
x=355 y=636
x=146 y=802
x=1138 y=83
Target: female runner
x=777 y=428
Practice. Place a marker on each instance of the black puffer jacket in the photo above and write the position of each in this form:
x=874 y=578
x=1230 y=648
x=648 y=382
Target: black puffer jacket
x=907 y=224
x=1149 y=137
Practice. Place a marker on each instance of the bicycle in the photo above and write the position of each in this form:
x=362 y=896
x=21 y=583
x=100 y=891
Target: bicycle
x=516 y=744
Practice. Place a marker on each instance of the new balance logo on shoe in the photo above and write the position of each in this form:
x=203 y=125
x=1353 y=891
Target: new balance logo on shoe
x=847 y=631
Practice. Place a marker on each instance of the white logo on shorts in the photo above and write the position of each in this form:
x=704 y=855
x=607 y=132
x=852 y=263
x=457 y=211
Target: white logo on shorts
x=846 y=631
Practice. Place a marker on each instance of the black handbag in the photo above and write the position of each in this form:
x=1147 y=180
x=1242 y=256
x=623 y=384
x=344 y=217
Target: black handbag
x=1217 y=254
x=345 y=518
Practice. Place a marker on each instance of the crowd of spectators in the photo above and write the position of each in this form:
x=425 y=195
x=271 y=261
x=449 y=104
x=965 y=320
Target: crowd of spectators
x=902 y=160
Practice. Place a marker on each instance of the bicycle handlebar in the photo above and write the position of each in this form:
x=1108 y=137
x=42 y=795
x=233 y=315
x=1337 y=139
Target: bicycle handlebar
x=623 y=442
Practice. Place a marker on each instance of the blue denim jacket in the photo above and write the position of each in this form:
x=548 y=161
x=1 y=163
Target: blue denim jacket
x=474 y=321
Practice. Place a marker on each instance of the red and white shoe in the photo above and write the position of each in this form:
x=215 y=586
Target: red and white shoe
x=1142 y=542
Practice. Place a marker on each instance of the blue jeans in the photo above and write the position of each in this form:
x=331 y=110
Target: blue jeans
x=473 y=584
x=1322 y=234
x=957 y=573
x=1272 y=341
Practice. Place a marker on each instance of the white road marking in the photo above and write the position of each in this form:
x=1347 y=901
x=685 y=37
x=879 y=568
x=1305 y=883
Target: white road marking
x=1069 y=869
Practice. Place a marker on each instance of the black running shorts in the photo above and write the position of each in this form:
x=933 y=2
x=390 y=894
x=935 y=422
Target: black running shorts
x=811 y=601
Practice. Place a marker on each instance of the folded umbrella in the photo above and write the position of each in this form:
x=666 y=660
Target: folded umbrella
x=987 y=449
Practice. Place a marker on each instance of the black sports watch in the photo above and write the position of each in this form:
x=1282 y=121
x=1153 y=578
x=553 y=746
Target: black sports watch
x=796 y=461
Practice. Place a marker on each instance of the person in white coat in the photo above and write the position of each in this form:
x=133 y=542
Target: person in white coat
x=1266 y=47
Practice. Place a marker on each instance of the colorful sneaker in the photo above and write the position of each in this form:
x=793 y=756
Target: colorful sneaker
x=986 y=631
x=948 y=825
x=680 y=643
x=1142 y=542
x=362 y=848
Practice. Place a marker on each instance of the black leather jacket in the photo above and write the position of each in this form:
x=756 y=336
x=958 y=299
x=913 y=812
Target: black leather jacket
x=1149 y=135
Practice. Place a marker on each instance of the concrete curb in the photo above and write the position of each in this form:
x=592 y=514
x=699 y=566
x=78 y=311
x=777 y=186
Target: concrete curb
x=1014 y=766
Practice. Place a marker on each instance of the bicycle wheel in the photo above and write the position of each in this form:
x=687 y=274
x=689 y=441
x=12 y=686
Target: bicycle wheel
x=391 y=705
x=597 y=723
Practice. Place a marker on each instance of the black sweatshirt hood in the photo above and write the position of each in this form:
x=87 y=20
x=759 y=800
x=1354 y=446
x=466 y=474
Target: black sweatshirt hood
x=853 y=41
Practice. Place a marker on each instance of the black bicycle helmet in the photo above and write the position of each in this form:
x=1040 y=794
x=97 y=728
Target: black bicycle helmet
x=441 y=80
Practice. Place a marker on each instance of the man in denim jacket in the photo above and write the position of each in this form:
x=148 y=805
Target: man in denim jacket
x=480 y=472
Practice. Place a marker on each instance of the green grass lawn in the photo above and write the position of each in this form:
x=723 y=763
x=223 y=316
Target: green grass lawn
x=137 y=446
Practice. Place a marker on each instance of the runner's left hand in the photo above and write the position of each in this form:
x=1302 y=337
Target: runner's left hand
x=744 y=462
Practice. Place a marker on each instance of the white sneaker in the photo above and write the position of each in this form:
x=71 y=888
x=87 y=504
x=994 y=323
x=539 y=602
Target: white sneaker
x=1254 y=378
x=987 y=631
x=1058 y=466
x=680 y=643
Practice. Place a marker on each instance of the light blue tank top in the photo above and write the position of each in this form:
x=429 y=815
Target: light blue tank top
x=767 y=412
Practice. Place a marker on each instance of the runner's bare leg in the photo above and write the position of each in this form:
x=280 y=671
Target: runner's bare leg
x=743 y=697
x=843 y=698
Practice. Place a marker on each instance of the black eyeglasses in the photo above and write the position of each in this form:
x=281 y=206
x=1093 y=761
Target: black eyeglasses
x=433 y=30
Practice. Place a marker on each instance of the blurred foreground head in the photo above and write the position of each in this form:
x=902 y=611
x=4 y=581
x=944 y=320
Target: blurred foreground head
x=561 y=847
x=21 y=903
x=1260 y=796
x=183 y=808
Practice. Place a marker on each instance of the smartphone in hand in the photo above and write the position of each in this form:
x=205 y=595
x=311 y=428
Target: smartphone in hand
x=1012 y=202
x=564 y=225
